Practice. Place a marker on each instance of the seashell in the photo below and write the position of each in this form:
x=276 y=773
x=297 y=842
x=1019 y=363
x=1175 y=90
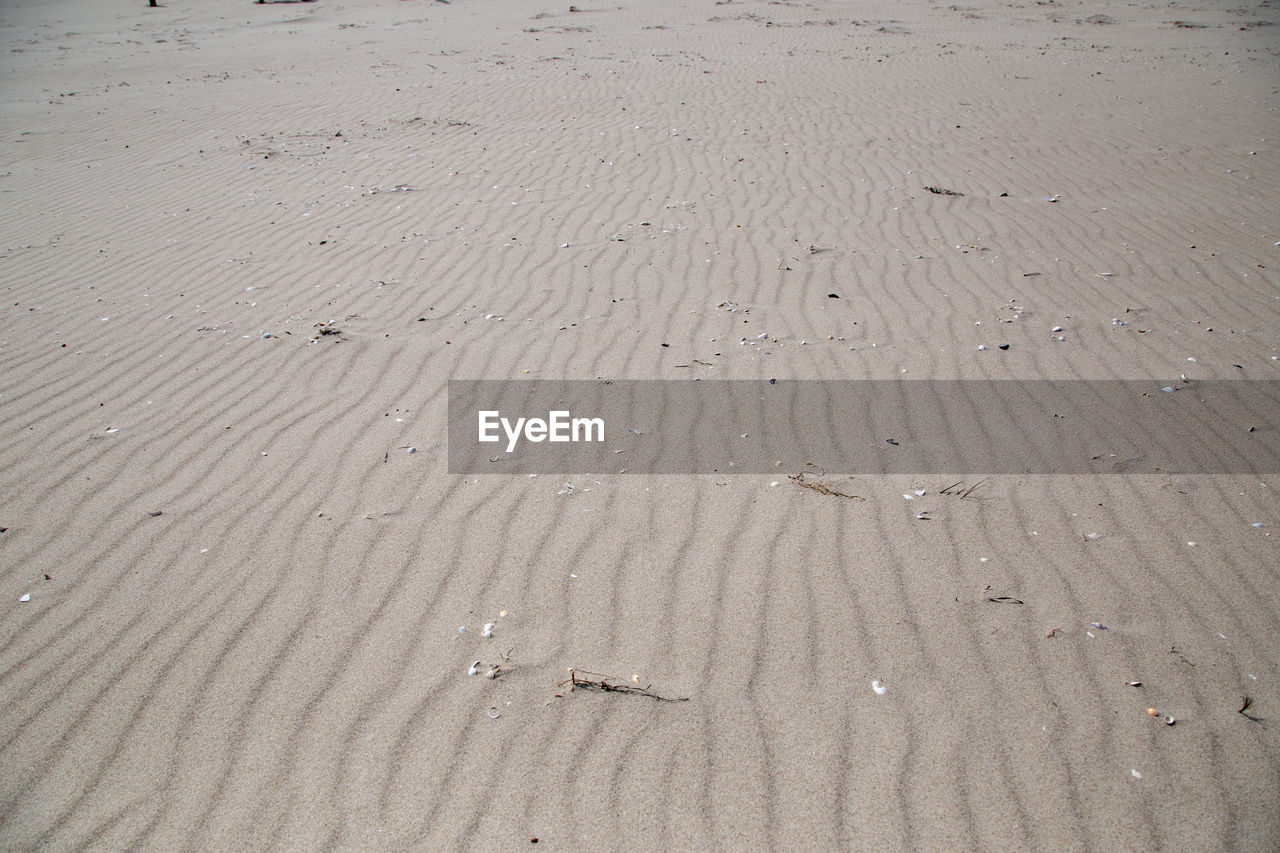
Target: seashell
x=492 y=673
x=488 y=630
x=25 y=597
x=879 y=688
x=494 y=713
x=503 y=613
x=1169 y=720
x=475 y=669
x=1153 y=712
x=1134 y=683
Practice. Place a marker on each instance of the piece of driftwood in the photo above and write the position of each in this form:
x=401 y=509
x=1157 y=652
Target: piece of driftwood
x=580 y=678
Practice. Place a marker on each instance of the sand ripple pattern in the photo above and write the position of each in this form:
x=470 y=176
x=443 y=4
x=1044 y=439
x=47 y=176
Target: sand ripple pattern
x=243 y=249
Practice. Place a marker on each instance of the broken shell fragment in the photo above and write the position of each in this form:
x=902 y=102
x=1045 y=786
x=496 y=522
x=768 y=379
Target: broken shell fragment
x=492 y=673
x=488 y=630
x=494 y=713
x=879 y=688
x=1134 y=683
x=1169 y=720
x=475 y=669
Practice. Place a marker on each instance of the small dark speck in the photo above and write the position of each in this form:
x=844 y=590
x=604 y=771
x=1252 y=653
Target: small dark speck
x=833 y=296
x=892 y=441
x=666 y=345
x=1004 y=346
x=773 y=381
x=156 y=514
x=1241 y=366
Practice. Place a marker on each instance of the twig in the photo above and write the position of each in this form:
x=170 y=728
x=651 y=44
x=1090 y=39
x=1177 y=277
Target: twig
x=611 y=684
x=820 y=488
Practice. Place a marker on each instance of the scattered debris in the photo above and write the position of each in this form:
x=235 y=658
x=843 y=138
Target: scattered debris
x=1053 y=632
x=943 y=191
x=610 y=684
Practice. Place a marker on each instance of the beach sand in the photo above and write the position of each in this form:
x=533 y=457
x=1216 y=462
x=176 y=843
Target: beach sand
x=246 y=593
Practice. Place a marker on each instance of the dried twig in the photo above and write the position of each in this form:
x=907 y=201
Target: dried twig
x=961 y=489
x=820 y=488
x=611 y=684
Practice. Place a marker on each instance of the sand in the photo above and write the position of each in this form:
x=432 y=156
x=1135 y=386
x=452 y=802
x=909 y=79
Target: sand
x=246 y=594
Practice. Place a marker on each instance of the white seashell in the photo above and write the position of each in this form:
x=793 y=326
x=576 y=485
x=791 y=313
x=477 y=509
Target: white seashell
x=879 y=688
x=1169 y=720
x=982 y=347
x=494 y=713
x=26 y=596
x=1136 y=774
x=492 y=673
x=488 y=630
x=475 y=669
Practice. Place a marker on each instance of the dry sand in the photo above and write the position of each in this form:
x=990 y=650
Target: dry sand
x=275 y=661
